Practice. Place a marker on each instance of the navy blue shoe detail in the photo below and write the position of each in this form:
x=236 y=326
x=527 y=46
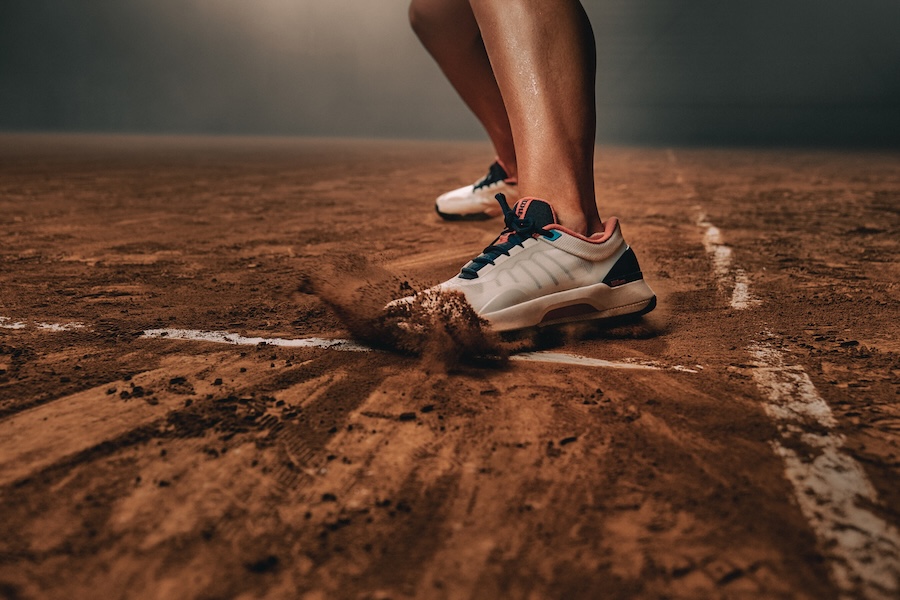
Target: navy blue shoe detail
x=624 y=271
x=496 y=174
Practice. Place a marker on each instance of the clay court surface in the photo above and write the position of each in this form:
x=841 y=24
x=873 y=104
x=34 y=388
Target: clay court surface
x=741 y=441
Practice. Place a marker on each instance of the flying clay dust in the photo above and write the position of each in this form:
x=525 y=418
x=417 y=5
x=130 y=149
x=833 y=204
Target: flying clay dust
x=439 y=327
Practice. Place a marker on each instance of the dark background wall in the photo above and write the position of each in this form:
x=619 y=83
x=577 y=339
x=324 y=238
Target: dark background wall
x=800 y=72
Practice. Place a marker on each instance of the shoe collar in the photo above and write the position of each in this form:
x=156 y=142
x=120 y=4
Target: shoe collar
x=546 y=215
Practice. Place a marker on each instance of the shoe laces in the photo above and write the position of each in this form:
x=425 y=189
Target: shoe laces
x=518 y=229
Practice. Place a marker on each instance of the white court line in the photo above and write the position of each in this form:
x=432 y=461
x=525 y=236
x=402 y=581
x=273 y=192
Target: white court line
x=60 y=326
x=7 y=323
x=565 y=358
x=584 y=361
x=721 y=254
x=225 y=337
x=831 y=488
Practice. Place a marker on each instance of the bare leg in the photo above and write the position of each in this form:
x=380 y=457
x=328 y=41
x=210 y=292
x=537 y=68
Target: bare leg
x=448 y=30
x=544 y=58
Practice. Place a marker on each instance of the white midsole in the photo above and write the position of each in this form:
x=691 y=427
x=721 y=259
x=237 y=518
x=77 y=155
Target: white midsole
x=608 y=301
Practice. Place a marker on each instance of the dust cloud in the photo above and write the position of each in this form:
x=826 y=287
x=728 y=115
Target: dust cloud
x=441 y=328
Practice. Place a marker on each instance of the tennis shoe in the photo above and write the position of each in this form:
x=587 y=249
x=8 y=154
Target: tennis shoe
x=476 y=202
x=537 y=273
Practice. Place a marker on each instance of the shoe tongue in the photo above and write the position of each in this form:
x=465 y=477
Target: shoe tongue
x=540 y=212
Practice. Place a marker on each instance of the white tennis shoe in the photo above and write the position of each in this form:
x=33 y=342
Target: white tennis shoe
x=476 y=202
x=538 y=273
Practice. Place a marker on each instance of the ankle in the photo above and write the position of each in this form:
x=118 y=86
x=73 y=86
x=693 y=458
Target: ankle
x=509 y=165
x=574 y=221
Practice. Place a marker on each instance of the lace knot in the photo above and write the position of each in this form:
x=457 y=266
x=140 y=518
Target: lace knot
x=518 y=229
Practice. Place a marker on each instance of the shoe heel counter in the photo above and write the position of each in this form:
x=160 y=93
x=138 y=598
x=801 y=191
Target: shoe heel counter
x=625 y=270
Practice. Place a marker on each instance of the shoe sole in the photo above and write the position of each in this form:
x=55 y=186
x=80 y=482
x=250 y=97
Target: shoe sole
x=624 y=317
x=595 y=302
x=479 y=216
